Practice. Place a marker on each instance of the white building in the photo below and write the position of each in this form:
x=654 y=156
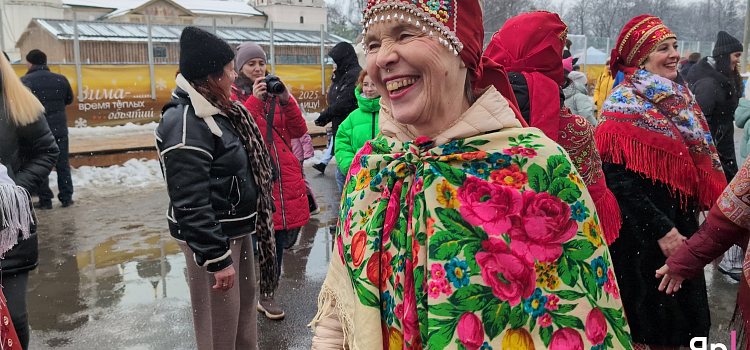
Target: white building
x=285 y=14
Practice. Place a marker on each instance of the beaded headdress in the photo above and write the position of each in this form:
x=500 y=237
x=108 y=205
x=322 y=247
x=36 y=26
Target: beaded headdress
x=638 y=39
x=457 y=23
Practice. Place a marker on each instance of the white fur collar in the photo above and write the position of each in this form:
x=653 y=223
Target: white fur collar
x=202 y=107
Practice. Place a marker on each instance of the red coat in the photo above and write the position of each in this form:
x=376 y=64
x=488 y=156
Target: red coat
x=289 y=190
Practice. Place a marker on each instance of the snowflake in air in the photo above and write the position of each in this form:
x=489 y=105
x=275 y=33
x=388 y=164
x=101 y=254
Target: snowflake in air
x=302 y=86
x=161 y=84
x=81 y=123
x=114 y=81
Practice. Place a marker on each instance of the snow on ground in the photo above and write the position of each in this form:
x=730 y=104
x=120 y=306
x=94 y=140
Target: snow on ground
x=91 y=132
x=135 y=173
x=318 y=157
x=311 y=116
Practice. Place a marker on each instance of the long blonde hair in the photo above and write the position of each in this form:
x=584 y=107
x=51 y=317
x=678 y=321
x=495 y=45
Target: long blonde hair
x=21 y=106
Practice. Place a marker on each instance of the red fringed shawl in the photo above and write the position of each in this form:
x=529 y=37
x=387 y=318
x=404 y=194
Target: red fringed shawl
x=653 y=126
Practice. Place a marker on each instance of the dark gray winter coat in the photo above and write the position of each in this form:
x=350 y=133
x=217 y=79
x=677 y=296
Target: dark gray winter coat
x=29 y=152
x=718 y=100
x=54 y=92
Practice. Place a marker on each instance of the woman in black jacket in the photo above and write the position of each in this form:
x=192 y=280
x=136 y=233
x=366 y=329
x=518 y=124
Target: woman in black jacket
x=219 y=180
x=717 y=86
x=29 y=151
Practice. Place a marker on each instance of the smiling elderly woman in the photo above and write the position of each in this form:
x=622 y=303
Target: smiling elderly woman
x=458 y=227
x=662 y=166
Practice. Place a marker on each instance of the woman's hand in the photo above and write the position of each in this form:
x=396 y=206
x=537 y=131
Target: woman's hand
x=259 y=89
x=284 y=97
x=671 y=281
x=671 y=242
x=225 y=279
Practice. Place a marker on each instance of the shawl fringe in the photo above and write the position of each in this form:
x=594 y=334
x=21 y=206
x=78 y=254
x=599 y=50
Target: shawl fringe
x=609 y=216
x=16 y=214
x=681 y=175
x=328 y=303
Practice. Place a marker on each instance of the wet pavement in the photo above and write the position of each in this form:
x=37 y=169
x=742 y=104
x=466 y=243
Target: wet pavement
x=111 y=277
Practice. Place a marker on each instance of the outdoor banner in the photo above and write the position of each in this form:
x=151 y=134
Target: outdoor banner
x=304 y=84
x=119 y=94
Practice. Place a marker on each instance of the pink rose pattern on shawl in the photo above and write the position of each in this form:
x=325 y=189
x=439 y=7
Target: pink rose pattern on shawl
x=455 y=259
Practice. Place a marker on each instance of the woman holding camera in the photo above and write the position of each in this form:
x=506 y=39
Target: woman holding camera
x=279 y=118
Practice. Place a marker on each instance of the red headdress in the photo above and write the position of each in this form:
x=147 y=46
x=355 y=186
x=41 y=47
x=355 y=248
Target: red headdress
x=532 y=44
x=640 y=36
x=457 y=24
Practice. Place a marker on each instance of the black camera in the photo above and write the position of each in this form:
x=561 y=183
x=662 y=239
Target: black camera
x=274 y=85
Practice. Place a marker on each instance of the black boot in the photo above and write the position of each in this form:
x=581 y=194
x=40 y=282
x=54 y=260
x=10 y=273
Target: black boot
x=311 y=204
x=43 y=205
x=320 y=167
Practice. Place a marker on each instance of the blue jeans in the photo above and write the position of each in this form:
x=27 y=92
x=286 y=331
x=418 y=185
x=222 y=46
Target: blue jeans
x=64 y=179
x=329 y=152
x=340 y=179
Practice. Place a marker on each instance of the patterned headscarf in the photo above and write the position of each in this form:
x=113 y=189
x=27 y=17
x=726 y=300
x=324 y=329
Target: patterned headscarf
x=640 y=36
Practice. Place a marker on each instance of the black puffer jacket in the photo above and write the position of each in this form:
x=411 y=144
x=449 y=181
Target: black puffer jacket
x=54 y=92
x=29 y=152
x=718 y=99
x=211 y=189
x=341 y=99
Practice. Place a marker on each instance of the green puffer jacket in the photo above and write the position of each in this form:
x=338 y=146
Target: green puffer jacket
x=741 y=118
x=358 y=128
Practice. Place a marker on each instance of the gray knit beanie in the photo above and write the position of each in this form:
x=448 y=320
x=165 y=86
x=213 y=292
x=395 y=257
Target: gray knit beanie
x=247 y=51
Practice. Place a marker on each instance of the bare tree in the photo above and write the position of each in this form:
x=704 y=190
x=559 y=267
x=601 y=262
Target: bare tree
x=496 y=12
x=691 y=20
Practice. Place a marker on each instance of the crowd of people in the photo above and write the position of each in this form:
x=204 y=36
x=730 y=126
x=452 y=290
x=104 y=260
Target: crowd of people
x=487 y=201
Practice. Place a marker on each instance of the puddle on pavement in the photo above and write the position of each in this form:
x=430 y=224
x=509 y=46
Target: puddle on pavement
x=309 y=258
x=66 y=292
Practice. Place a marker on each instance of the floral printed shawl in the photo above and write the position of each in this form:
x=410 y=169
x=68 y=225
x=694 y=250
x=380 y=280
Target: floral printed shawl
x=654 y=126
x=488 y=242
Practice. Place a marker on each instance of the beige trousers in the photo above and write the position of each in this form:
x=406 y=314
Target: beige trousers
x=224 y=320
